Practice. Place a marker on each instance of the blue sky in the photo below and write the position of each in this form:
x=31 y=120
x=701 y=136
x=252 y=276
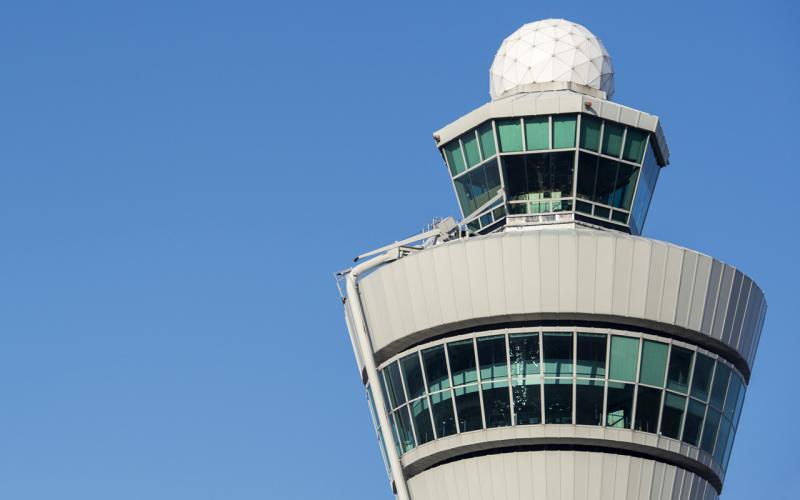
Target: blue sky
x=180 y=180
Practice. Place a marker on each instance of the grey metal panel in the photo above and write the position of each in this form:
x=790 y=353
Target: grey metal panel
x=478 y=288
x=548 y=248
x=723 y=299
x=688 y=273
x=623 y=265
x=672 y=277
x=655 y=286
x=552 y=273
x=586 y=272
x=567 y=245
x=461 y=280
x=736 y=289
x=604 y=275
x=712 y=295
x=512 y=278
x=640 y=276
x=495 y=284
x=444 y=284
x=701 y=283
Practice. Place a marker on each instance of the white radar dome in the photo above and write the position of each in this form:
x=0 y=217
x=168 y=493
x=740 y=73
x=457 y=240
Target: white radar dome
x=543 y=54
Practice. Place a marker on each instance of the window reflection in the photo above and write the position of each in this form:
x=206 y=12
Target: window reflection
x=557 y=354
x=589 y=402
x=591 y=355
x=619 y=409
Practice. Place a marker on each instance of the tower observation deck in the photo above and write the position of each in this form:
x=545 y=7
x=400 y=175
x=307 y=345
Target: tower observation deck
x=540 y=347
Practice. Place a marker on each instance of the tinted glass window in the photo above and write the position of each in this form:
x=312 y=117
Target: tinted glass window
x=478 y=186
x=496 y=405
x=672 y=414
x=612 y=138
x=564 y=131
x=394 y=385
x=541 y=177
x=648 y=403
x=590 y=133
x=455 y=161
x=589 y=402
x=524 y=354
x=710 y=430
x=654 y=363
x=422 y=421
x=462 y=362
x=412 y=374
x=510 y=135
x=403 y=428
x=619 y=408
x=624 y=354
x=720 y=385
x=680 y=365
x=734 y=386
x=694 y=422
x=558 y=401
x=470 y=143
x=527 y=402
x=557 y=354
x=443 y=418
x=701 y=378
x=468 y=406
x=634 y=145
x=537 y=133
x=435 y=368
x=591 y=355
x=722 y=439
x=492 y=357
x=486 y=137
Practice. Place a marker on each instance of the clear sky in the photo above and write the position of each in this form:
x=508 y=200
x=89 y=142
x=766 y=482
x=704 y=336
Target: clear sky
x=180 y=180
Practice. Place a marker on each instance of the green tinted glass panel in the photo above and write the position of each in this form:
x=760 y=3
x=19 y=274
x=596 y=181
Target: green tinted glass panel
x=634 y=145
x=455 y=161
x=590 y=133
x=486 y=136
x=654 y=363
x=394 y=385
x=701 y=378
x=722 y=439
x=672 y=414
x=733 y=393
x=612 y=139
x=624 y=353
x=470 y=143
x=510 y=135
x=564 y=131
x=536 y=133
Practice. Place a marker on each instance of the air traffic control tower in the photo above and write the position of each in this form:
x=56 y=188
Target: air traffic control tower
x=541 y=348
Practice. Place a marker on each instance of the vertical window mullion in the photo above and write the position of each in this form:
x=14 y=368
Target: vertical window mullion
x=408 y=402
x=541 y=375
x=636 y=382
x=510 y=381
